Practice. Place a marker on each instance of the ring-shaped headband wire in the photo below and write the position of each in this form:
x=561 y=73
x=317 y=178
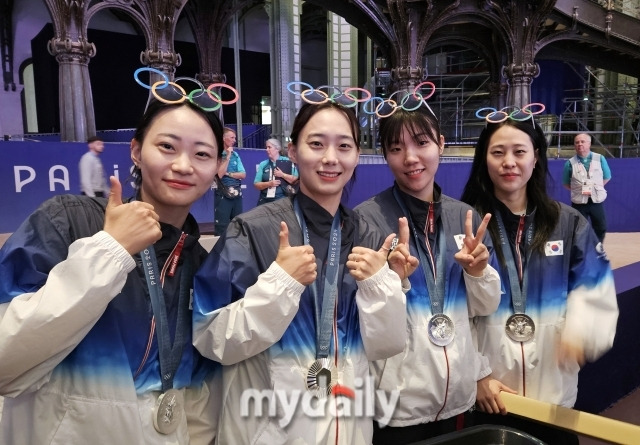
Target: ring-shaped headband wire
x=411 y=101
x=190 y=79
x=314 y=96
x=294 y=83
x=366 y=92
x=169 y=96
x=204 y=101
x=344 y=99
x=372 y=101
x=170 y=92
x=512 y=112
x=151 y=71
x=337 y=96
x=389 y=105
x=381 y=107
x=420 y=86
x=219 y=96
x=386 y=108
x=415 y=100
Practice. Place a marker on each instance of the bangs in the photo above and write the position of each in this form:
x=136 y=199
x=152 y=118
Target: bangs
x=417 y=124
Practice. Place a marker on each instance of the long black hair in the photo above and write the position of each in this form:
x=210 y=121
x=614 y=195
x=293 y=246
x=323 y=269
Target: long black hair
x=479 y=190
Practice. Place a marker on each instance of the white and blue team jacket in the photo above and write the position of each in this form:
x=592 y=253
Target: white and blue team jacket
x=435 y=382
x=570 y=294
x=78 y=362
x=251 y=316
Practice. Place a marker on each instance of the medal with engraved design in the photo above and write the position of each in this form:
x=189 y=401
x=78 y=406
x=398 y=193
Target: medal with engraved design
x=441 y=330
x=520 y=327
x=322 y=377
x=168 y=411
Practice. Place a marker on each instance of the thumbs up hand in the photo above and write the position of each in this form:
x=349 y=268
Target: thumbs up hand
x=134 y=225
x=297 y=261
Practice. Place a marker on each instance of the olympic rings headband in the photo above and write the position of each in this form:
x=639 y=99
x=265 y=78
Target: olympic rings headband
x=381 y=107
x=202 y=97
x=494 y=116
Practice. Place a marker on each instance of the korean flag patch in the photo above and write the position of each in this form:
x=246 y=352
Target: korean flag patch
x=553 y=248
x=459 y=240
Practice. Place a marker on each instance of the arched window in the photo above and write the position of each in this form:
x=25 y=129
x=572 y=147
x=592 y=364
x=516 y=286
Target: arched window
x=28 y=97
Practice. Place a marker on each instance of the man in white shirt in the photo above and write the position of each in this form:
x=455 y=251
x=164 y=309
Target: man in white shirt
x=585 y=175
x=92 y=179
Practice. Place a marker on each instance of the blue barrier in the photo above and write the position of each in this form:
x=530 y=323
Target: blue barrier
x=31 y=172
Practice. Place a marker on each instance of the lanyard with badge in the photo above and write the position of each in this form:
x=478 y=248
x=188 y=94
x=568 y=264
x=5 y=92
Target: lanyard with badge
x=587 y=186
x=168 y=409
x=322 y=375
x=271 y=191
x=519 y=326
x=440 y=328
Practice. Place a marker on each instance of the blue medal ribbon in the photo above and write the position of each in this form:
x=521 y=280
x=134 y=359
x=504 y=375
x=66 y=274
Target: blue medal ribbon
x=517 y=283
x=434 y=278
x=169 y=354
x=325 y=310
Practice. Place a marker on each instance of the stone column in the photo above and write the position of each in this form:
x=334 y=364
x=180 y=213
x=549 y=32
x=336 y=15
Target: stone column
x=77 y=118
x=284 y=31
x=165 y=61
x=519 y=79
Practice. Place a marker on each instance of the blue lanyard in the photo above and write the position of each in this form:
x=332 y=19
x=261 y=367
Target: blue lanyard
x=170 y=354
x=325 y=316
x=518 y=277
x=435 y=276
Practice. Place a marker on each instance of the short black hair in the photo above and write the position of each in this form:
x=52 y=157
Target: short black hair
x=94 y=138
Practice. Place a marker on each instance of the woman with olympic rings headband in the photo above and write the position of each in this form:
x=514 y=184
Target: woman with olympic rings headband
x=435 y=377
x=95 y=326
x=298 y=297
x=228 y=191
x=558 y=307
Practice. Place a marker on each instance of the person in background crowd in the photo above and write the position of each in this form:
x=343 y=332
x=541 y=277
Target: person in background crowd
x=297 y=297
x=95 y=326
x=92 y=178
x=272 y=182
x=228 y=195
x=558 y=306
x=585 y=175
x=437 y=372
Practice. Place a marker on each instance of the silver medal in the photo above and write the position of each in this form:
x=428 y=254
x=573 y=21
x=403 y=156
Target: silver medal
x=168 y=411
x=441 y=330
x=520 y=327
x=321 y=378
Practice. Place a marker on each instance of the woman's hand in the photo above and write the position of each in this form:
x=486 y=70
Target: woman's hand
x=570 y=351
x=278 y=173
x=134 y=225
x=364 y=263
x=399 y=258
x=298 y=261
x=474 y=255
x=488 y=397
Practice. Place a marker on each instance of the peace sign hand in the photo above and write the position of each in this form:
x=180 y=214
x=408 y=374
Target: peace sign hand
x=400 y=259
x=474 y=255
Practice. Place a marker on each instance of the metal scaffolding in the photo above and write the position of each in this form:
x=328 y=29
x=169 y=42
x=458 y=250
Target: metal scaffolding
x=607 y=107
